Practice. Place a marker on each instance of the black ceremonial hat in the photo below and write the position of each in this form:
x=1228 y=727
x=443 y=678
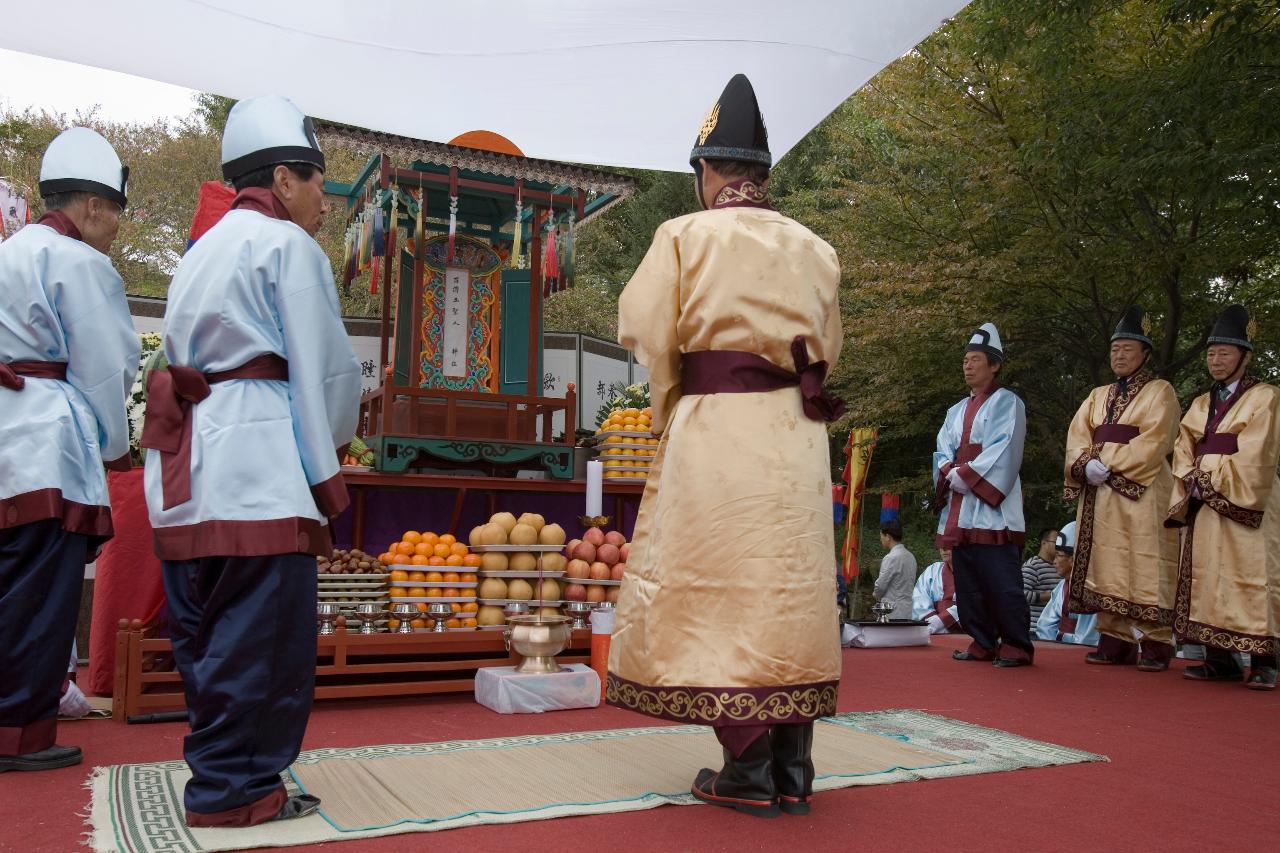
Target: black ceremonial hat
x=1134 y=325
x=1233 y=326
x=734 y=128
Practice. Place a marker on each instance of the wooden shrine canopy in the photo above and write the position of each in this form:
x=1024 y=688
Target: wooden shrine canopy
x=461 y=332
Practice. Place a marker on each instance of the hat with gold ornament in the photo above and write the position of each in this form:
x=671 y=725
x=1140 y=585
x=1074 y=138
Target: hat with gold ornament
x=1134 y=325
x=1234 y=326
x=733 y=128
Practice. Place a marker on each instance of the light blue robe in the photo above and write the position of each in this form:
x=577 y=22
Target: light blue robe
x=926 y=593
x=1086 y=633
x=1000 y=427
x=61 y=300
x=254 y=285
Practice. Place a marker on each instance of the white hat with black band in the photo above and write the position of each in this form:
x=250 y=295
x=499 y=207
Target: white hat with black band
x=265 y=131
x=80 y=160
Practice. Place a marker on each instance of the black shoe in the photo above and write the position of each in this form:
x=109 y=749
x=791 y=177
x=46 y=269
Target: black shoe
x=1208 y=672
x=744 y=784
x=46 y=759
x=299 y=805
x=1262 y=678
x=1009 y=663
x=959 y=654
x=1100 y=659
x=793 y=766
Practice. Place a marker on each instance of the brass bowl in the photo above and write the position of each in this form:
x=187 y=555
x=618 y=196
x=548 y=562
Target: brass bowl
x=538 y=639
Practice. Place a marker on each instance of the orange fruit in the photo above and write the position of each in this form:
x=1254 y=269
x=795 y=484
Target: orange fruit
x=393 y=624
x=470 y=607
x=430 y=538
x=442 y=550
x=399 y=592
x=434 y=577
x=448 y=593
x=400 y=560
x=435 y=561
x=453 y=560
x=384 y=558
x=417 y=592
x=471 y=561
x=465 y=578
x=456 y=607
x=424 y=549
x=468 y=623
x=453 y=623
x=399 y=576
x=450 y=577
x=413 y=537
x=417 y=577
x=448 y=539
x=418 y=560
x=422 y=606
x=434 y=593
x=418 y=624
x=459 y=549
x=404 y=548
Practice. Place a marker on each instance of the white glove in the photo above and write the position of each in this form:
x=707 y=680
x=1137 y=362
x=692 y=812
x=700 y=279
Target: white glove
x=1096 y=473
x=73 y=703
x=956 y=483
x=936 y=625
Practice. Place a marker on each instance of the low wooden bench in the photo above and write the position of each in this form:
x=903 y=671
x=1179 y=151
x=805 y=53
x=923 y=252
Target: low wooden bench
x=348 y=665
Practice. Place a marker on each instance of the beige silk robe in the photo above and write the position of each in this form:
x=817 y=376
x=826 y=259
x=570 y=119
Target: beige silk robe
x=727 y=613
x=1125 y=558
x=1228 y=593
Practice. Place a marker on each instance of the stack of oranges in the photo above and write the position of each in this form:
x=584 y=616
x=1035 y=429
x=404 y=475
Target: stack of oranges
x=435 y=562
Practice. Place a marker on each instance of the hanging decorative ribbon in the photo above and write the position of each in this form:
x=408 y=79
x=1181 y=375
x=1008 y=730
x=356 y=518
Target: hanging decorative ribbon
x=518 y=231
x=453 y=209
x=569 y=250
x=550 y=265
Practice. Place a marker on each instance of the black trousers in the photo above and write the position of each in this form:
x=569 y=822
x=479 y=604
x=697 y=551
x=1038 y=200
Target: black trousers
x=993 y=609
x=244 y=640
x=41 y=576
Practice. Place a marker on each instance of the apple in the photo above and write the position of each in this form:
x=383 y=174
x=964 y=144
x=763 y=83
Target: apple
x=594 y=535
x=568 y=549
x=596 y=594
x=577 y=569
x=615 y=538
x=618 y=571
x=600 y=571
x=625 y=551
x=608 y=554
x=575 y=592
x=612 y=595
x=584 y=551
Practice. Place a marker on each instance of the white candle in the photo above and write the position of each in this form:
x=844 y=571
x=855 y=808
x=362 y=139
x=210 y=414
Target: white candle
x=595 y=488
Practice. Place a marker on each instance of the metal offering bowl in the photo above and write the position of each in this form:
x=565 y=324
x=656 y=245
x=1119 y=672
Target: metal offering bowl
x=538 y=639
x=367 y=614
x=439 y=613
x=327 y=614
x=579 y=611
x=406 y=613
x=881 y=610
x=516 y=608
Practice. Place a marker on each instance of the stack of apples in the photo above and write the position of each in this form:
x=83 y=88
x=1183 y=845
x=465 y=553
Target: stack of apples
x=597 y=563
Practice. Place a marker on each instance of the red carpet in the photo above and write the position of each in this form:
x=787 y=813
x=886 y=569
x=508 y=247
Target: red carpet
x=1194 y=767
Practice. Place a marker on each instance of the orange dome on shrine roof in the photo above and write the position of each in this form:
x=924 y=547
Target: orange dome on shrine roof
x=487 y=140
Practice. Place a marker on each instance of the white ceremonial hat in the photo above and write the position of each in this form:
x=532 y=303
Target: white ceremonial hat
x=264 y=131
x=986 y=338
x=80 y=160
x=1067 y=537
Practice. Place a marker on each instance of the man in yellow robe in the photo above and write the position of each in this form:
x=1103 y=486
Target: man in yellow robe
x=727 y=616
x=1117 y=464
x=1227 y=502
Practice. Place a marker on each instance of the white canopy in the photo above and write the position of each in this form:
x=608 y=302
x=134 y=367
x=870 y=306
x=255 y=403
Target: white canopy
x=611 y=82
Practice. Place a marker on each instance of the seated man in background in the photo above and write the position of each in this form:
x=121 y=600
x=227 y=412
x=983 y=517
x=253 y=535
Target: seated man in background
x=897 y=571
x=934 y=598
x=1054 y=623
x=1039 y=577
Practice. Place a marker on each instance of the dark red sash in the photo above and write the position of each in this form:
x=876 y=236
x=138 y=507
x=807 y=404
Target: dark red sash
x=170 y=395
x=1114 y=433
x=735 y=372
x=1223 y=443
x=943 y=605
x=12 y=373
x=1067 y=622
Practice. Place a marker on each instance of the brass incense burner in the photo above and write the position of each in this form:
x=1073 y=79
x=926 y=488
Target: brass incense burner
x=538 y=639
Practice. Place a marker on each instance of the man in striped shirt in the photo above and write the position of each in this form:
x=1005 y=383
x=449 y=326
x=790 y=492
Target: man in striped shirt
x=1038 y=574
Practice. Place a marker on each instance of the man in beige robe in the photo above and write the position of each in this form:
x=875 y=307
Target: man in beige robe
x=727 y=616
x=1125 y=559
x=1227 y=502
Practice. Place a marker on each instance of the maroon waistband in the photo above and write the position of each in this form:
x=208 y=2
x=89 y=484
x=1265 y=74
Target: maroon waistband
x=1115 y=433
x=1223 y=443
x=167 y=428
x=12 y=373
x=735 y=372
x=968 y=452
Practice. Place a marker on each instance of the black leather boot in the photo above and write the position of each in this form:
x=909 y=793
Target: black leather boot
x=744 y=784
x=46 y=759
x=299 y=805
x=793 y=766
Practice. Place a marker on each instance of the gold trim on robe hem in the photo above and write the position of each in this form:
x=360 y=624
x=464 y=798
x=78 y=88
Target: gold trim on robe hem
x=795 y=703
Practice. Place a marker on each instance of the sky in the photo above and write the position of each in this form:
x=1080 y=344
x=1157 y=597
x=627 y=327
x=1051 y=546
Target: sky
x=57 y=86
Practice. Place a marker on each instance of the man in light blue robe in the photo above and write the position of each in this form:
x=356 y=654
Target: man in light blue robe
x=68 y=356
x=1078 y=628
x=242 y=468
x=978 y=494
x=933 y=599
